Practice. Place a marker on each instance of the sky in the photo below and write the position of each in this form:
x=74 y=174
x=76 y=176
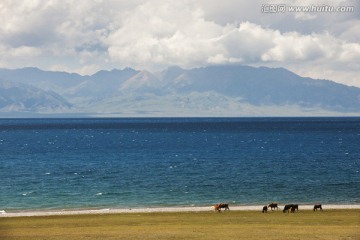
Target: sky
x=85 y=36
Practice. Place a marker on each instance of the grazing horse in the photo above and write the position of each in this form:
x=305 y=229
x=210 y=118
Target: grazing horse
x=291 y=207
x=287 y=207
x=296 y=207
x=273 y=205
x=218 y=207
x=225 y=206
x=265 y=208
x=317 y=206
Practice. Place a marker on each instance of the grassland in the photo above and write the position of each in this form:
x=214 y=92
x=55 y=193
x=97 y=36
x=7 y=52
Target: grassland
x=329 y=224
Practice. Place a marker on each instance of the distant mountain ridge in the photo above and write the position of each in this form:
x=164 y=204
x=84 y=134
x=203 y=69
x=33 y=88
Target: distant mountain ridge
x=269 y=86
x=224 y=90
x=15 y=97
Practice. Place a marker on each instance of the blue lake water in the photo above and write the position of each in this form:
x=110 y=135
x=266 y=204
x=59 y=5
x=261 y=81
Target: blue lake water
x=156 y=162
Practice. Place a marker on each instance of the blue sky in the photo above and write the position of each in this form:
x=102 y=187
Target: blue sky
x=86 y=36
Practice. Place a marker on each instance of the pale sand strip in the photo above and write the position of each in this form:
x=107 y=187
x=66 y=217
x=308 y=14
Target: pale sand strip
x=152 y=210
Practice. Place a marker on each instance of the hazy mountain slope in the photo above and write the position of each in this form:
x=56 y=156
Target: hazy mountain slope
x=142 y=83
x=25 y=98
x=114 y=76
x=208 y=91
x=268 y=86
x=101 y=85
x=35 y=76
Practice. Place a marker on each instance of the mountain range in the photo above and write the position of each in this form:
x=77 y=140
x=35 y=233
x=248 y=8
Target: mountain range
x=224 y=90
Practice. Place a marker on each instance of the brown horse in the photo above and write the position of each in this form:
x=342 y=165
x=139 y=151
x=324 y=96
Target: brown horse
x=317 y=206
x=218 y=207
x=273 y=205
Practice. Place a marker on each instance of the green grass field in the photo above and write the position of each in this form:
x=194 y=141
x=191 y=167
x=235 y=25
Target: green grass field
x=329 y=224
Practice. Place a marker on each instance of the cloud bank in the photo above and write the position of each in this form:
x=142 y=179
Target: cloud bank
x=86 y=36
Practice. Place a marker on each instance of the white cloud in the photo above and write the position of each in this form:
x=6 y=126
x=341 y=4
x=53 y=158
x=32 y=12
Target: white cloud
x=293 y=46
x=59 y=68
x=24 y=52
x=88 y=69
x=178 y=34
x=85 y=36
x=305 y=16
x=350 y=52
x=166 y=33
x=85 y=70
x=350 y=31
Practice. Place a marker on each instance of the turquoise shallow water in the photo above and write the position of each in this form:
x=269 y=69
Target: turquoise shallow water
x=157 y=162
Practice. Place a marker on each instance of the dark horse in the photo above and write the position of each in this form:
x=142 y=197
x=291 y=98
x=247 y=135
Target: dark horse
x=265 y=208
x=291 y=207
x=317 y=206
x=219 y=206
x=273 y=205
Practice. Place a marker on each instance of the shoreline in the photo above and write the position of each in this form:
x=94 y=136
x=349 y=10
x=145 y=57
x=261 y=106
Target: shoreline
x=35 y=213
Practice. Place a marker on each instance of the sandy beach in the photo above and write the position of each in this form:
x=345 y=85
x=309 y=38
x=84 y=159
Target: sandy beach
x=156 y=210
x=241 y=222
